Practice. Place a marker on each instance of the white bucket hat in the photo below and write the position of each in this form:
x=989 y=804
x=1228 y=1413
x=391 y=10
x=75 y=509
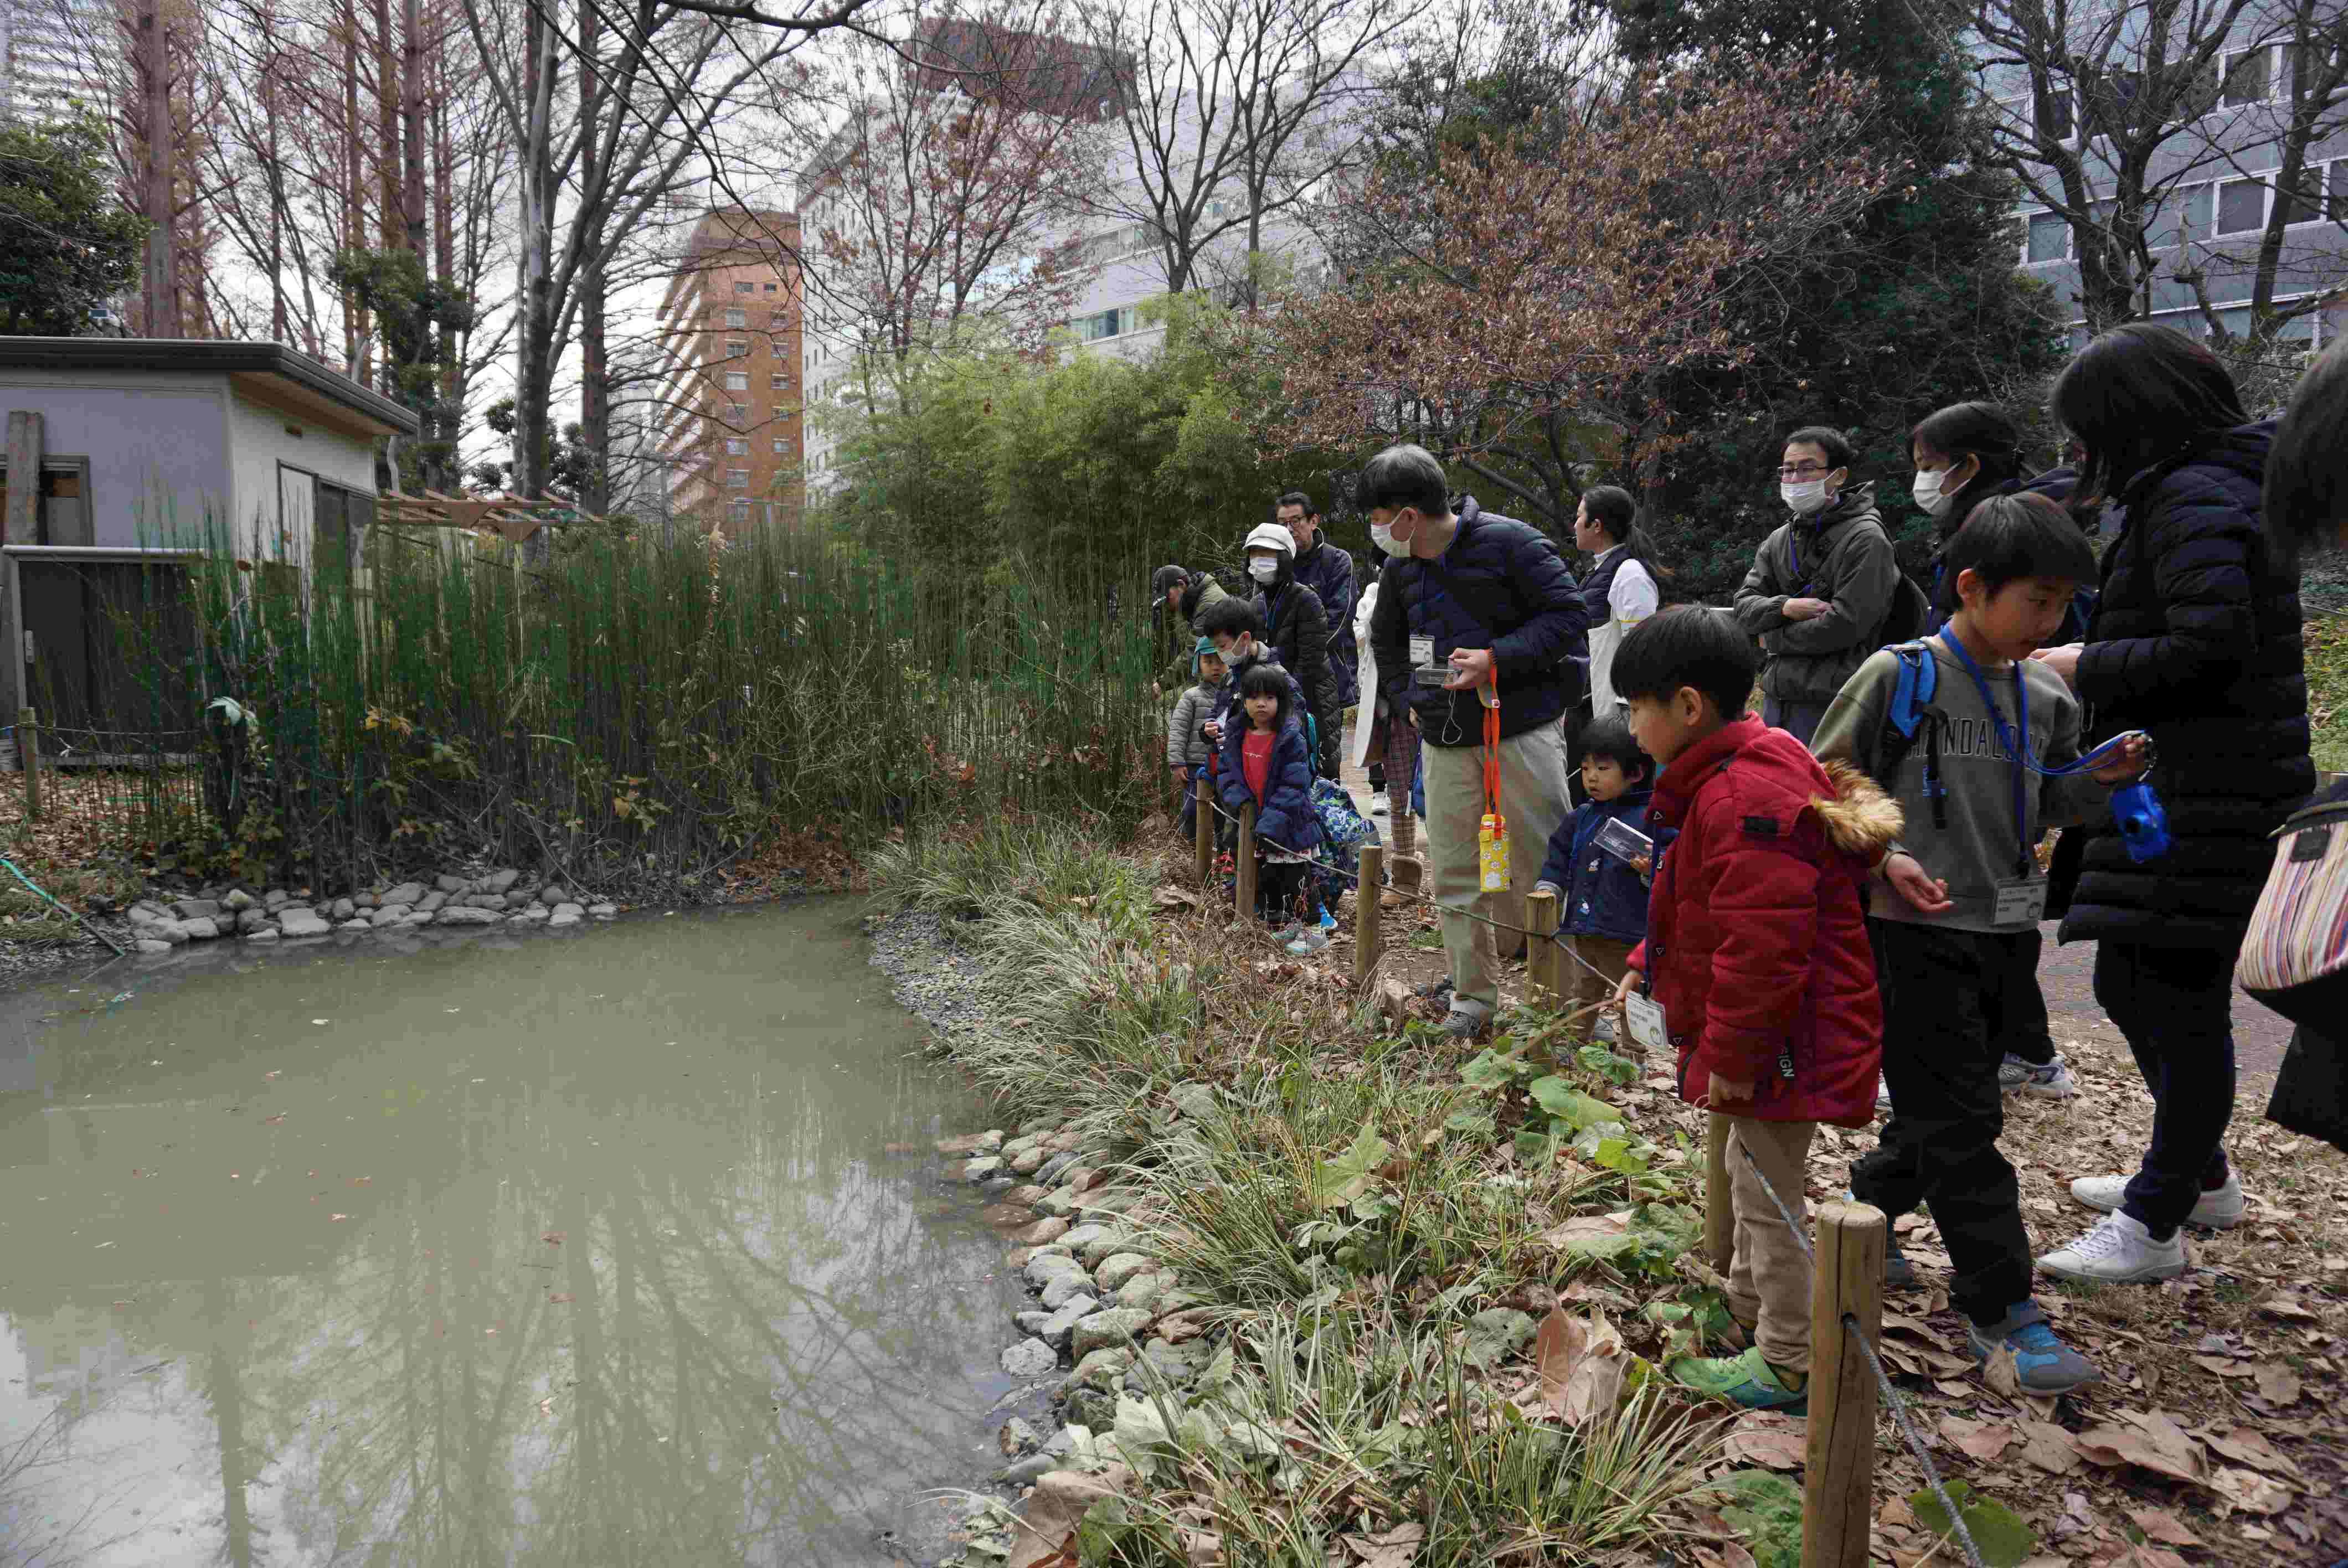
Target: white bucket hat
x=1271 y=536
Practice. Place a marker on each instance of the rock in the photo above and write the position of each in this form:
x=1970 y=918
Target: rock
x=1016 y=1437
x=196 y=908
x=1119 y=1267
x=409 y=893
x=500 y=881
x=1102 y=1248
x=1082 y=1176
x=1034 y=1466
x=1175 y=1363
x=1107 y=1201
x=275 y=898
x=1101 y=1369
x=419 y=917
x=1063 y=1289
x=238 y=900
x=252 y=919
x=1141 y=1290
x=1098 y=1330
x=1018 y=1258
x=516 y=901
x=169 y=932
x=464 y=915
x=262 y=934
x=202 y=928
x=1019 y=1146
x=572 y=909
x=1027 y=1194
x=430 y=903
x=604 y=911
x=150 y=945
x=977 y=1168
x=453 y=884
x=568 y=915
x=1058 y=1205
x=1049 y=1173
x=342 y=909
x=1093 y=1408
x=1066 y=1318
x=1046 y=1267
x=1030 y=1358
x=1039 y=1233
x=1084 y=1237
x=1028 y=1161
x=1494 y=1333
x=551 y=895
x=1003 y=1214
x=531 y=915
x=354 y=923
x=389 y=915
x=1034 y=1126
x=365 y=900
x=298 y=922
x=972 y=1144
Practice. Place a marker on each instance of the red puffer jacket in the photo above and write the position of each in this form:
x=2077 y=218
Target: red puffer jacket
x=1757 y=944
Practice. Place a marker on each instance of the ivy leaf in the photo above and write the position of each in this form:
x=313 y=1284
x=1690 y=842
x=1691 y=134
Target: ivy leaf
x=1570 y=1105
x=1618 y=1071
x=1338 y=1182
x=1491 y=1070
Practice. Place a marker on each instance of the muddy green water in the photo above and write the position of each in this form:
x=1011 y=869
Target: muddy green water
x=589 y=1249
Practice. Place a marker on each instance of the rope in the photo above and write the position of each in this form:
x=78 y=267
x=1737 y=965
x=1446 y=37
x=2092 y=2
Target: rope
x=1882 y=1378
x=1354 y=879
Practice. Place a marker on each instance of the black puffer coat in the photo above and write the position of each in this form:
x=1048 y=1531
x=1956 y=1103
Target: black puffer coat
x=2311 y=1090
x=1296 y=628
x=2196 y=640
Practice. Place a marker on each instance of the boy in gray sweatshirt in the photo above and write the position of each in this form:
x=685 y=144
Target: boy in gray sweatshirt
x=1991 y=763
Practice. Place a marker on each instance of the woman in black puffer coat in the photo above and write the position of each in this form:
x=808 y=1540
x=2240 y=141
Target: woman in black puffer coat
x=2195 y=640
x=2307 y=508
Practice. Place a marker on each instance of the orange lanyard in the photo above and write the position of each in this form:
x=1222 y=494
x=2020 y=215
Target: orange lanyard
x=1492 y=748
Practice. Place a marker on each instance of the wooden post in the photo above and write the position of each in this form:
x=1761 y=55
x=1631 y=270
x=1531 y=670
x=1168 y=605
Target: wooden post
x=1206 y=832
x=1719 y=1208
x=1244 y=862
x=1366 y=929
x=1541 y=955
x=28 y=753
x=1839 y=1492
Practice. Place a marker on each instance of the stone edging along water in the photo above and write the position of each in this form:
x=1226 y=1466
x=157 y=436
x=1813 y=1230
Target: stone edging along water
x=228 y=911
x=1111 y=1321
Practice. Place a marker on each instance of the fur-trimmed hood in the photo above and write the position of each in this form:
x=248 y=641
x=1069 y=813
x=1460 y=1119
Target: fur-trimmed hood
x=1858 y=817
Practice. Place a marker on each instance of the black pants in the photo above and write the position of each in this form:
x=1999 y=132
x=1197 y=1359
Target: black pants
x=1280 y=891
x=1940 y=1055
x=2017 y=1017
x=1329 y=742
x=2176 y=1006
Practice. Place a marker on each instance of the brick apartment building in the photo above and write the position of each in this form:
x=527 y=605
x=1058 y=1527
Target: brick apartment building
x=730 y=434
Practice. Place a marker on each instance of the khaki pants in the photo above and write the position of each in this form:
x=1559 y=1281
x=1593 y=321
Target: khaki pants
x=1605 y=954
x=1532 y=797
x=1770 y=1284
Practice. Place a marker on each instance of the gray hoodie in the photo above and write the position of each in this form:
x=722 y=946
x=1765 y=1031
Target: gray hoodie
x=1842 y=556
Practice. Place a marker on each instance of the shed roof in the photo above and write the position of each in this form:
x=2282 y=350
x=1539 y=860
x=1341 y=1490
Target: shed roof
x=261 y=368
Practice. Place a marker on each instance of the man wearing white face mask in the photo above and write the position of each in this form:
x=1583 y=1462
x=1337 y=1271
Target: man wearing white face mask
x=1821 y=585
x=1297 y=628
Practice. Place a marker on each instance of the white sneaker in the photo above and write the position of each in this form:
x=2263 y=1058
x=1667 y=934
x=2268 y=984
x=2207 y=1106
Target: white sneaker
x=2051 y=1082
x=2118 y=1250
x=2220 y=1210
x=1378 y=807
x=1883 y=1094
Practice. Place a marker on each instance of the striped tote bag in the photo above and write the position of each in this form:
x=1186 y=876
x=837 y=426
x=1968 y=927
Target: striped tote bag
x=2295 y=957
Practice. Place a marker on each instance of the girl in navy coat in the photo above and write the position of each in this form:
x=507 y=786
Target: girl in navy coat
x=1266 y=763
x=1603 y=898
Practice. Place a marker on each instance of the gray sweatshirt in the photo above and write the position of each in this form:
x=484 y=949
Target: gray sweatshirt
x=1979 y=847
x=1186 y=726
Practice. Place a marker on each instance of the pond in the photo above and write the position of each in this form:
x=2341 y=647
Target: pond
x=613 y=1246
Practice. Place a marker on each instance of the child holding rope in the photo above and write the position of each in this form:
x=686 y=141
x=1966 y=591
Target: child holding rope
x=1266 y=763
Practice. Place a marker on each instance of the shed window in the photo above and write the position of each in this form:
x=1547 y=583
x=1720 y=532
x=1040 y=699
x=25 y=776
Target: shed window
x=63 y=516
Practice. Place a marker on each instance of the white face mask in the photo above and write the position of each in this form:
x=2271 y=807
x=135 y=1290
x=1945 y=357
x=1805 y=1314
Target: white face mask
x=1929 y=494
x=1263 y=569
x=1809 y=496
x=1382 y=537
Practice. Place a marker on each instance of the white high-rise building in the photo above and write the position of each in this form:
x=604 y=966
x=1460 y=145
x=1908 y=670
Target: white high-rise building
x=51 y=51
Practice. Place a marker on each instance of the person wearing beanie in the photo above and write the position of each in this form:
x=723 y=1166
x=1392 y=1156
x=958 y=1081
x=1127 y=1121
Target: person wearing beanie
x=1296 y=628
x=1188 y=750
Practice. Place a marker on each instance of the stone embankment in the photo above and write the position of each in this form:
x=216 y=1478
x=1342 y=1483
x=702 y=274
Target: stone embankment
x=232 y=912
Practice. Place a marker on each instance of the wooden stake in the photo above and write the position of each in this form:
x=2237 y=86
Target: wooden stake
x=1839 y=1493
x=28 y=753
x=1367 y=928
x=1719 y=1208
x=1243 y=861
x=1206 y=832
x=1541 y=955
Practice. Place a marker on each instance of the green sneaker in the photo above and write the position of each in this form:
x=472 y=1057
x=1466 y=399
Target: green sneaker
x=1744 y=1379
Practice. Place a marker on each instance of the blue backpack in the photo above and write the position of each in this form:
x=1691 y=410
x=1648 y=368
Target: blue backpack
x=1343 y=831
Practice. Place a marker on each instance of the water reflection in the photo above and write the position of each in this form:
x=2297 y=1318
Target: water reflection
x=586 y=1251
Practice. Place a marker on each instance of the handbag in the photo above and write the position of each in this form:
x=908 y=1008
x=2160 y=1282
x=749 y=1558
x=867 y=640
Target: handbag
x=2295 y=959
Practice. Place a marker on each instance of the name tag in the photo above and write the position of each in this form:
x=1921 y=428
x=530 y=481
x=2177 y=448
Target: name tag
x=1645 y=1016
x=2022 y=903
x=1422 y=650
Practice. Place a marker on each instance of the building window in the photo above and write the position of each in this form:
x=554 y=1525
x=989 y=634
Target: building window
x=782 y=382
x=61 y=514
x=782 y=444
x=737 y=511
x=2050 y=237
x=738 y=380
x=2059 y=124
x=770 y=288
x=737 y=447
x=737 y=347
x=1108 y=323
x=2340 y=191
x=2304 y=204
x=2250 y=77
x=739 y=412
x=745 y=288
x=2241 y=206
x=778 y=412
x=738 y=320
x=737 y=478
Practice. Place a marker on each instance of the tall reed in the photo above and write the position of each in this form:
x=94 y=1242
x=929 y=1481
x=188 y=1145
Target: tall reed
x=637 y=715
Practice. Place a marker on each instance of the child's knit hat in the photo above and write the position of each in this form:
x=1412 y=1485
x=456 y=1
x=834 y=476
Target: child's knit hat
x=1206 y=646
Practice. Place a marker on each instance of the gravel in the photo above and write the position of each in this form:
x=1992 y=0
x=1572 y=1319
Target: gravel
x=934 y=978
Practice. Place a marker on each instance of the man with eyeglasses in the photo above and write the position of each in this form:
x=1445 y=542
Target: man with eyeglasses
x=1821 y=585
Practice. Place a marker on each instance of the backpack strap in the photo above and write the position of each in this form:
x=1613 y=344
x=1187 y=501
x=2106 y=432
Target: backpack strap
x=1911 y=712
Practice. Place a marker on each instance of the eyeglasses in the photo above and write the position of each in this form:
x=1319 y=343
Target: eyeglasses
x=1804 y=471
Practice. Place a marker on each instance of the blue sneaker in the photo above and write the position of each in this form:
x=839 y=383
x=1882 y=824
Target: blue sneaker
x=1328 y=918
x=1745 y=1380
x=2042 y=1364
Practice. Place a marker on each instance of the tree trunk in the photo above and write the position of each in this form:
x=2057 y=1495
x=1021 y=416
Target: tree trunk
x=388 y=198
x=160 y=294
x=595 y=356
x=451 y=400
x=354 y=320
x=411 y=112
x=534 y=344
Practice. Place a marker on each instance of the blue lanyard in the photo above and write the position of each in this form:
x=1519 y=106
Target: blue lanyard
x=2017 y=746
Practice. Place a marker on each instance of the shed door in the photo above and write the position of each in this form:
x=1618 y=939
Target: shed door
x=112 y=644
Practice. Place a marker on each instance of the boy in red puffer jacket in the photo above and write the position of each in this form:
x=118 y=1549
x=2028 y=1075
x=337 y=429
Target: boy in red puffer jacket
x=1757 y=953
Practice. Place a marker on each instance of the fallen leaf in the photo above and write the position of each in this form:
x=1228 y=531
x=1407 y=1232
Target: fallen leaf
x=1585 y=1229
x=2251 y=1491
x=273 y=1121
x=1983 y=1440
x=1583 y=1368
x=1395 y=1548
x=552 y=1237
x=2001 y=1373
x=1728 y=1555
x=2144 y=1556
x=338 y=1216
x=1765 y=1437
x=2277 y=1383
x=2154 y=1443
x=2286 y=1306
x=1202 y=1549
x=1177 y=898
x=558 y=1297
x=1895 y=1512
x=2159 y=1524
x=1055 y=1510
x=546 y=1406
x=2251 y=1448
x=267 y=1076
x=2050 y=1448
